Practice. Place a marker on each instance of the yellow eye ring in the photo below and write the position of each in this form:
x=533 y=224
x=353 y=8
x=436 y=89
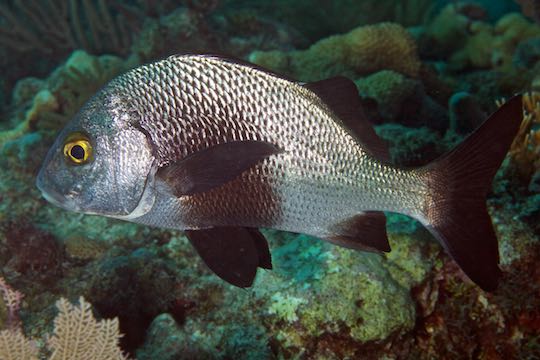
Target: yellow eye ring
x=77 y=149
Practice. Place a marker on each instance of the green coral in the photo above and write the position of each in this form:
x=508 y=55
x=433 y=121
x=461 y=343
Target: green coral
x=389 y=89
x=285 y=306
x=55 y=100
x=365 y=299
x=412 y=257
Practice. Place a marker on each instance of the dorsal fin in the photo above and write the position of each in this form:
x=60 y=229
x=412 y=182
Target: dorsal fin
x=341 y=96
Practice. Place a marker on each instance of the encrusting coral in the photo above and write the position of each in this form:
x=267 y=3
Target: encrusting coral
x=57 y=98
x=362 y=51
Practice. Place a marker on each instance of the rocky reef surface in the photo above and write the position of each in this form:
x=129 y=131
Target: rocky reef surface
x=427 y=76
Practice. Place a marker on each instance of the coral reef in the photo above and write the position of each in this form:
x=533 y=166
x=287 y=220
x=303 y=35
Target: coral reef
x=469 y=41
x=425 y=87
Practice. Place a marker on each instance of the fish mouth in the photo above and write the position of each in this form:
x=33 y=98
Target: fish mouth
x=55 y=197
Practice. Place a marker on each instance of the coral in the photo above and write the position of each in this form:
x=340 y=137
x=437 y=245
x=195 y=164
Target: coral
x=447 y=32
x=525 y=150
x=382 y=46
x=407 y=261
x=389 y=89
x=362 y=51
x=55 y=100
x=477 y=50
x=473 y=323
x=77 y=335
x=43 y=101
x=488 y=46
x=358 y=312
x=510 y=30
x=15 y=346
x=285 y=306
x=11 y=300
x=167 y=340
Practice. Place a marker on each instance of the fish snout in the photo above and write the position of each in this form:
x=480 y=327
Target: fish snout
x=50 y=192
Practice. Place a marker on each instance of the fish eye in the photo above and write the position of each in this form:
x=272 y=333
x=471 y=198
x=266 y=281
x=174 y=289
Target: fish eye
x=78 y=149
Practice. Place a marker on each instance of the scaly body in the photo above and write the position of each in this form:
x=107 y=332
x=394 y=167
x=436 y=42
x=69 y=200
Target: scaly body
x=323 y=175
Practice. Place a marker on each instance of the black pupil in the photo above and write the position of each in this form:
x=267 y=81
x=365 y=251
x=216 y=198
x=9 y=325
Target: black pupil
x=77 y=152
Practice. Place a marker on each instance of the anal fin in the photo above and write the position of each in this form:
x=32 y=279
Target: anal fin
x=365 y=232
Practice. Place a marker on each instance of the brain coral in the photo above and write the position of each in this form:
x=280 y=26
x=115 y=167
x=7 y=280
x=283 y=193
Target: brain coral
x=362 y=51
x=382 y=46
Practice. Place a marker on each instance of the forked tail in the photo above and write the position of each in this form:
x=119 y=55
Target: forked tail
x=455 y=211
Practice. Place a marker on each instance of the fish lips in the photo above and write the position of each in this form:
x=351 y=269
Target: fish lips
x=51 y=195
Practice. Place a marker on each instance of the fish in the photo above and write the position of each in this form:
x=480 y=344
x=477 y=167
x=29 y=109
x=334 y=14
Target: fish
x=220 y=148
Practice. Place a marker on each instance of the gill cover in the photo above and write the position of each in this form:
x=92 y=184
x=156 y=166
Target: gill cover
x=100 y=163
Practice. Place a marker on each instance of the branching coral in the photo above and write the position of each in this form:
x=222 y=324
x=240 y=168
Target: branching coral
x=77 y=335
x=12 y=301
x=60 y=26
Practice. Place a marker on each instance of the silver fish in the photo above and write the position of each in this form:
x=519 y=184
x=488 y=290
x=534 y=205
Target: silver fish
x=220 y=148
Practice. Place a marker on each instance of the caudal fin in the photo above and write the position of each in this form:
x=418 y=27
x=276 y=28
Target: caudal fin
x=458 y=182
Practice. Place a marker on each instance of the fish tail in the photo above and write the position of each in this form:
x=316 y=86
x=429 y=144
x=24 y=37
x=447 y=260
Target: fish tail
x=455 y=210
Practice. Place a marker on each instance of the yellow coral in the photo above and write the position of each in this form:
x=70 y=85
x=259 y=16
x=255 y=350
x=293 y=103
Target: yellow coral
x=493 y=46
x=77 y=336
x=15 y=346
x=509 y=31
x=478 y=48
x=382 y=46
x=362 y=51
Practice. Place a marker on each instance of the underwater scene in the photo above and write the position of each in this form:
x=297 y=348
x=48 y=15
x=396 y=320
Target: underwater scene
x=232 y=179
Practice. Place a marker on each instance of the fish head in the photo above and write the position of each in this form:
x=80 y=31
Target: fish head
x=100 y=163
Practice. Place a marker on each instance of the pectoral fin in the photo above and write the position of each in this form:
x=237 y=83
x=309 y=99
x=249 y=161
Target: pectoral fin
x=233 y=253
x=214 y=166
x=366 y=232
